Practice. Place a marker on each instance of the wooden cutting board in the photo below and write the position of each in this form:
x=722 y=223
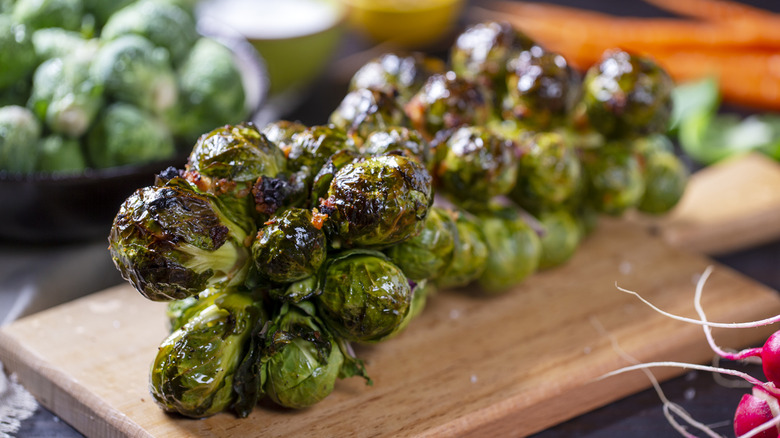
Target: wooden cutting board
x=507 y=365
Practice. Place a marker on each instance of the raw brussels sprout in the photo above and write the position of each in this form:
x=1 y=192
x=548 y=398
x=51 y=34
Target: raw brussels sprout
x=60 y=155
x=101 y=10
x=65 y=96
x=55 y=42
x=37 y=14
x=364 y=111
x=18 y=56
x=171 y=242
x=664 y=174
x=541 y=89
x=303 y=359
x=365 y=297
x=397 y=74
x=134 y=70
x=428 y=254
x=560 y=237
x=475 y=166
x=19 y=135
x=211 y=91
x=627 y=95
x=514 y=249
x=399 y=140
x=470 y=254
x=198 y=369
x=377 y=201
x=481 y=52
x=549 y=172
x=290 y=247
x=614 y=178
x=125 y=134
x=16 y=94
x=448 y=101
x=164 y=24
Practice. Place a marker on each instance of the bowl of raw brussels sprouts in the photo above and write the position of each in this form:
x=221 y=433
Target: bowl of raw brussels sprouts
x=95 y=97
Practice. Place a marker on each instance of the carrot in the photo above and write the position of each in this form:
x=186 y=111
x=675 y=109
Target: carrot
x=714 y=10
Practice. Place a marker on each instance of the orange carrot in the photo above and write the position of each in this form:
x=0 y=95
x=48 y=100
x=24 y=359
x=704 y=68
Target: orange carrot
x=714 y=10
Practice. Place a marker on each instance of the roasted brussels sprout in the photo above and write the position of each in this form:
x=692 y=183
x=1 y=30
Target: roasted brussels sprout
x=19 y=134
x=475 y=166
x=136 y=71
x=197 y=371
x=514 y=249
x=481 y=52
x=179 y=312
x=57 y=154
x=560 y=237
x=549 y=171
x=65 y=96
x=164 y=24
x=614 y=178
x=18 y=56
x=211 y=91
x=541 y=89
x=290 y=247
x=311 y=148
x=448 y=101
x=428 y=254
x=37 y=14
x=665 y=175
x=470 y=254
x=627 y=95
x=321 y=182
x=125 y=134
x=399 y=140
x=303 y=359
x=397 y=74
x=364 y=111
x=365 y=297
x=171 y=242
x=281 y=133
x=377 y=201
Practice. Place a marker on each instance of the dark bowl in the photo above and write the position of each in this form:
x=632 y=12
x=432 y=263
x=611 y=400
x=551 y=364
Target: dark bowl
x=46 y=208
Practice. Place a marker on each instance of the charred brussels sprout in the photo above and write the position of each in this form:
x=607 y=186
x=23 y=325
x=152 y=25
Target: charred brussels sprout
x=197 y=371
x=377 y=201
x=541 y=89
x=19 y=133
x=393 y=73
x=560 y=237
x=481 y=52
x=428 y=254
x=290 y=247
x=125 y=134
x=134 y=70
x=364 y=111
x=18 y=56
x=664 y=174
x=399 y=140
x=614 y=178
x=171 y=242
x=303 y=360
x=627 y=95
x=514 y=249
x=448 y=101
x=365 y=297
x=164 y=24
x=549 y=171
x=475 y=166
x=228 y=162
x=470 y=253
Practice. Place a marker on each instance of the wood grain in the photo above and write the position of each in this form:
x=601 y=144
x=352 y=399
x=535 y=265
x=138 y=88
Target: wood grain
x=471 y=365
x=729 y=206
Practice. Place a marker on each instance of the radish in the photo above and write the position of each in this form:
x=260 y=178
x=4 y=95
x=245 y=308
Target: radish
x=758 y=413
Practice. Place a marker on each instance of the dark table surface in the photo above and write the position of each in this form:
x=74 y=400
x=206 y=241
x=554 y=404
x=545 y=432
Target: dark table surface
x=639 y=415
